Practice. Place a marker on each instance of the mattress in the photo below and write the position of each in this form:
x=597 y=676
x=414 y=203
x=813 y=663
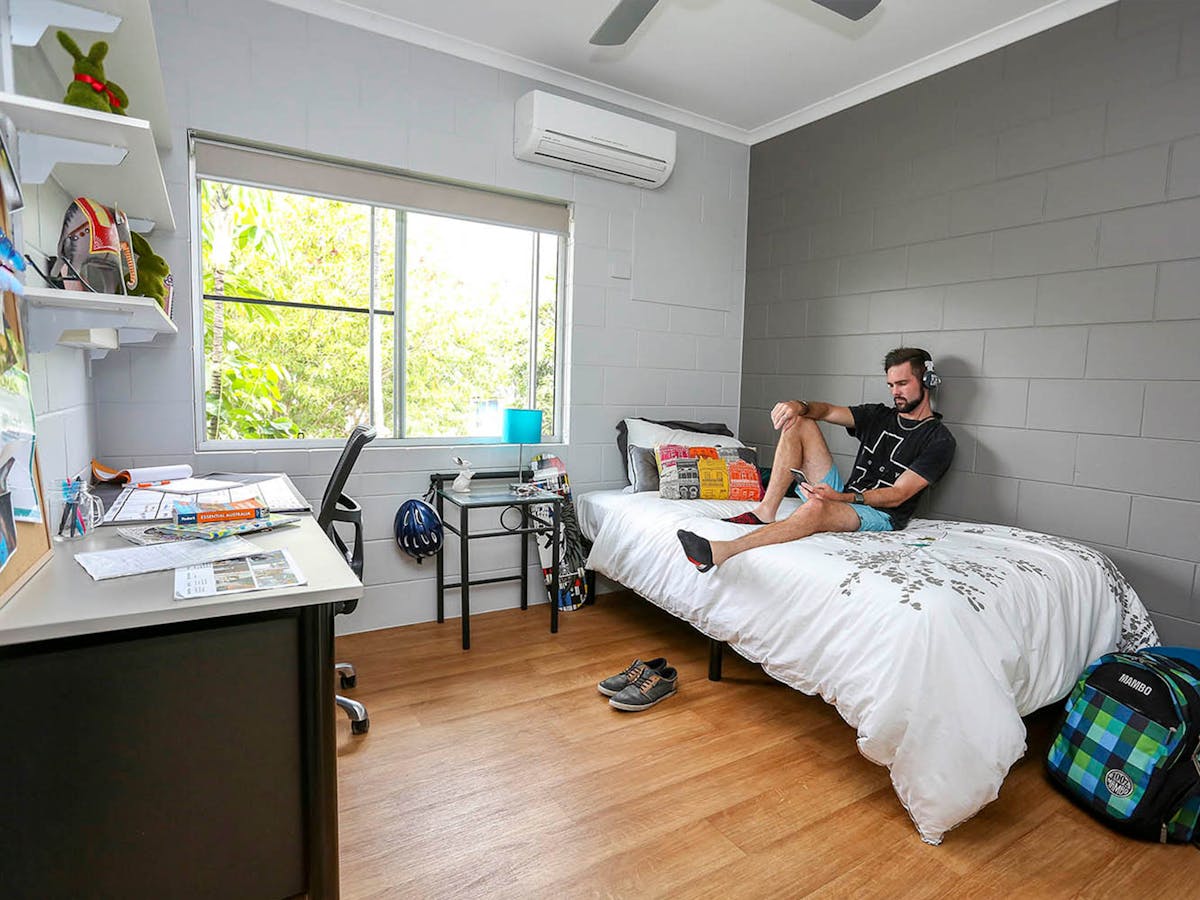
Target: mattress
x=931 y=642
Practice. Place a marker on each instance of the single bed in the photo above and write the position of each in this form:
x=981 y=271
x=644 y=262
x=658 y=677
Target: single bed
x=931 y=642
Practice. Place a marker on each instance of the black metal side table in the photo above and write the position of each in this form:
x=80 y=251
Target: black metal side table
x=488 y=496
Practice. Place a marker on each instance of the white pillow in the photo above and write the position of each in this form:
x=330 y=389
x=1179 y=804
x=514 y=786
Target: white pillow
x=646 y=434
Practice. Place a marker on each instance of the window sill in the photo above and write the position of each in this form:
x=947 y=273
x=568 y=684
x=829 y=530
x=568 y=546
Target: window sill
x=378 y=444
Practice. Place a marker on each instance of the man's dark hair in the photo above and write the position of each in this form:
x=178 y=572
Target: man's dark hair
x=914 y=355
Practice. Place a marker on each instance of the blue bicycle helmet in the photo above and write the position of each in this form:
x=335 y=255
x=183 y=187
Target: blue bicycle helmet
x=418 y=529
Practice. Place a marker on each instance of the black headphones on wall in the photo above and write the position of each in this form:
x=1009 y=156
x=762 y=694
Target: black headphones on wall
x=929 y=377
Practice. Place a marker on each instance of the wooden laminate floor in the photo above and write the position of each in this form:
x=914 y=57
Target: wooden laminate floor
x=502 y=772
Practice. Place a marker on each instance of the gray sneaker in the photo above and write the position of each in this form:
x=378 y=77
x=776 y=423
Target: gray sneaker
x=650 y=688
x=616 y=683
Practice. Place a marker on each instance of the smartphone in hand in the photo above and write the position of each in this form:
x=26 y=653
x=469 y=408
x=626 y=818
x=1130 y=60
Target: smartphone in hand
x=799 y=475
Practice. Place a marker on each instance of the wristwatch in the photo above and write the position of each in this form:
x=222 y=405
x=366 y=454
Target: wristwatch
x=859 y=498
x=803 y=403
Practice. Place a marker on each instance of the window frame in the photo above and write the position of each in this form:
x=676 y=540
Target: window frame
x=199 y=387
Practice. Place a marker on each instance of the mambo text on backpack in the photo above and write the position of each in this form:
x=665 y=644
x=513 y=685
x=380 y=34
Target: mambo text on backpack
x=1126 y=748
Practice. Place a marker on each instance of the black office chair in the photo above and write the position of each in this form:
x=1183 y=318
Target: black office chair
x=337 y=507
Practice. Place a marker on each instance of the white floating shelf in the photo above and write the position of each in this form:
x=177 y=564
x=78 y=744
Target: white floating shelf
x=33 y=18
x=52 y=312
x=132 y=60
x=64 y=135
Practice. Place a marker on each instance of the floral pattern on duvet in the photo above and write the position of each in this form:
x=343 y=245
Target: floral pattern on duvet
x=902 y=561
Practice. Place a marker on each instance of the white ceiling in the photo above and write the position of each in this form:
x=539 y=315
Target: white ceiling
x=742 y=69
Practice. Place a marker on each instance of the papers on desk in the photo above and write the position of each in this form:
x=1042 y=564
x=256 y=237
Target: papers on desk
x=142 y=505
x=193 y=485
x=260 y=572
x=214 y=531
x=145 y=535
x=135 y=504
x=103 y=564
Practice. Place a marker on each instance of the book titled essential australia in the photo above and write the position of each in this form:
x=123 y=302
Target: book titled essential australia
x=199 y=513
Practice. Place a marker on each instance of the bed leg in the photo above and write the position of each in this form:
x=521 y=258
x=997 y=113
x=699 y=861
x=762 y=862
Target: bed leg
x=714 y=659
x=589 y=576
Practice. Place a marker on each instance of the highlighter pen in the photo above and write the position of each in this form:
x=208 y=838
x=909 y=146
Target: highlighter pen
x=146 y=484
x=66 y=513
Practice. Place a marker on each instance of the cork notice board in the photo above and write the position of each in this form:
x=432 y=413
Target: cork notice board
x=24 y=545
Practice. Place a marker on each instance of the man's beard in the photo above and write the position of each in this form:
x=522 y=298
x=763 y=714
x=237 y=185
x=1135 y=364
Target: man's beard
x=903 y=405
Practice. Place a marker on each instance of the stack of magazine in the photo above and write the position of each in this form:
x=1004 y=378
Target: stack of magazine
x=211 y=531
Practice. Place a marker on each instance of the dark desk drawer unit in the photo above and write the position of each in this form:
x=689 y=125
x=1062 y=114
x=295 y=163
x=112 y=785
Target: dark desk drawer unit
x=163 y=762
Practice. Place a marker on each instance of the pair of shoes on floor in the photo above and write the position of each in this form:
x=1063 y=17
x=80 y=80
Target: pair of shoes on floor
x=641 y=685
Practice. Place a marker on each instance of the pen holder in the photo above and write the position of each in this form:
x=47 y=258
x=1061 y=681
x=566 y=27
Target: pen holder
x=82 y=511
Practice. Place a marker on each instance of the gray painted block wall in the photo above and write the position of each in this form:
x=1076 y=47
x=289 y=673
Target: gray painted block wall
x=1032 y=217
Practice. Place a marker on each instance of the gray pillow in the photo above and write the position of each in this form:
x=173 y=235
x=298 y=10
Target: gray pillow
x=643 y=469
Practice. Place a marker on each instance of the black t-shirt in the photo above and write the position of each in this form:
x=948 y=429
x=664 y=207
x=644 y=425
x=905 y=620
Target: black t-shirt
x=889 y=445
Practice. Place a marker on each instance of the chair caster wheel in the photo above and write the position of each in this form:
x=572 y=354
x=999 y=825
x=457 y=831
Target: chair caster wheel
x=348 y=681
x=360 y=727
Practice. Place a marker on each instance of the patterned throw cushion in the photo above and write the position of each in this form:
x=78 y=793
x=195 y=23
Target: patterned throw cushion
x=640 y=432
x=643 y=466
x=706 y=473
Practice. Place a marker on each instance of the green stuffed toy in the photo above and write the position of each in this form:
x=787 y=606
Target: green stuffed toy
x=90 y=89
x=153 y=274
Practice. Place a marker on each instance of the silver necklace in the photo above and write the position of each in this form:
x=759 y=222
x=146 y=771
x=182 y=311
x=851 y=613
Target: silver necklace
x=920 y=422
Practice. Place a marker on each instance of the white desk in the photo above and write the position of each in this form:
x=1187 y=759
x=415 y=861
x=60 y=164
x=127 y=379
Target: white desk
x=62 y=600
x=171 y=748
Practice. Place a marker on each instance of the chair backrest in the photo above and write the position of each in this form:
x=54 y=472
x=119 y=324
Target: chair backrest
x=359 y=438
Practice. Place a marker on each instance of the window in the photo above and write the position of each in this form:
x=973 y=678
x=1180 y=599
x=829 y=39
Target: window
x=324 y=309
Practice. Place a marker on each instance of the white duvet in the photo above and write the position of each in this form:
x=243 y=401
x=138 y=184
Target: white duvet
x=932 y=642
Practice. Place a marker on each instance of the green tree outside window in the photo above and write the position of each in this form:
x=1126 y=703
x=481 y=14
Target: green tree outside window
x=318 y=355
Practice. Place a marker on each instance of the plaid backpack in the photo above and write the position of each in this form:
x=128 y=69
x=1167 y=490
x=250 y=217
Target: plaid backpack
x=1128 y=745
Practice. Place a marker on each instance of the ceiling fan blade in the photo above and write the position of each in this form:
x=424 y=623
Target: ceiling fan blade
x=851 y=9
x=623 y=21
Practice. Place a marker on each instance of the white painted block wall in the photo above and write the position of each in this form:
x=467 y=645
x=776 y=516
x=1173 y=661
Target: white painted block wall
x=62 y=391
x=642 y=341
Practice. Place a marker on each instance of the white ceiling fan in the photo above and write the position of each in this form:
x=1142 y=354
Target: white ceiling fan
x=625 y=18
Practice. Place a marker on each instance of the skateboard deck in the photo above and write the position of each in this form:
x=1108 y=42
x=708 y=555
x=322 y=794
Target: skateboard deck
x=550 y=474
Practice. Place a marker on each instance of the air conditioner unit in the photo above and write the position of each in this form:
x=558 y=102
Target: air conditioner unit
x=558 y=132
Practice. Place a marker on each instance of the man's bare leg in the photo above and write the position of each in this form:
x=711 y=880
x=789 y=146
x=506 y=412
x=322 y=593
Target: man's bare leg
x=814 y=516
x=801 y=446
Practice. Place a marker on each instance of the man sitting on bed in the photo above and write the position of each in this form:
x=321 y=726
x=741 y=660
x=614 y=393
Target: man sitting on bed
x=902 y=450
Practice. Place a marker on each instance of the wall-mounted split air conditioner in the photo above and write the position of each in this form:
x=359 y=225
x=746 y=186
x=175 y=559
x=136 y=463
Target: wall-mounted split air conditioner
x=558 y=132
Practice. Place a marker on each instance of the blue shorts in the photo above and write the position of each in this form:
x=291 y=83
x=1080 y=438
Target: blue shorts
x=869 y=518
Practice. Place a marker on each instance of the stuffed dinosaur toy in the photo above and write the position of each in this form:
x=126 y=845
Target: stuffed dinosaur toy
x=154 y=277
x=90 y=89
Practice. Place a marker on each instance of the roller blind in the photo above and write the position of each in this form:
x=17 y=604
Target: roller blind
x=222 y=161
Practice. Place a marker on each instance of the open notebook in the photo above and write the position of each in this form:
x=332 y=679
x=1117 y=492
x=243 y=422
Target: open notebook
x=140 y=475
